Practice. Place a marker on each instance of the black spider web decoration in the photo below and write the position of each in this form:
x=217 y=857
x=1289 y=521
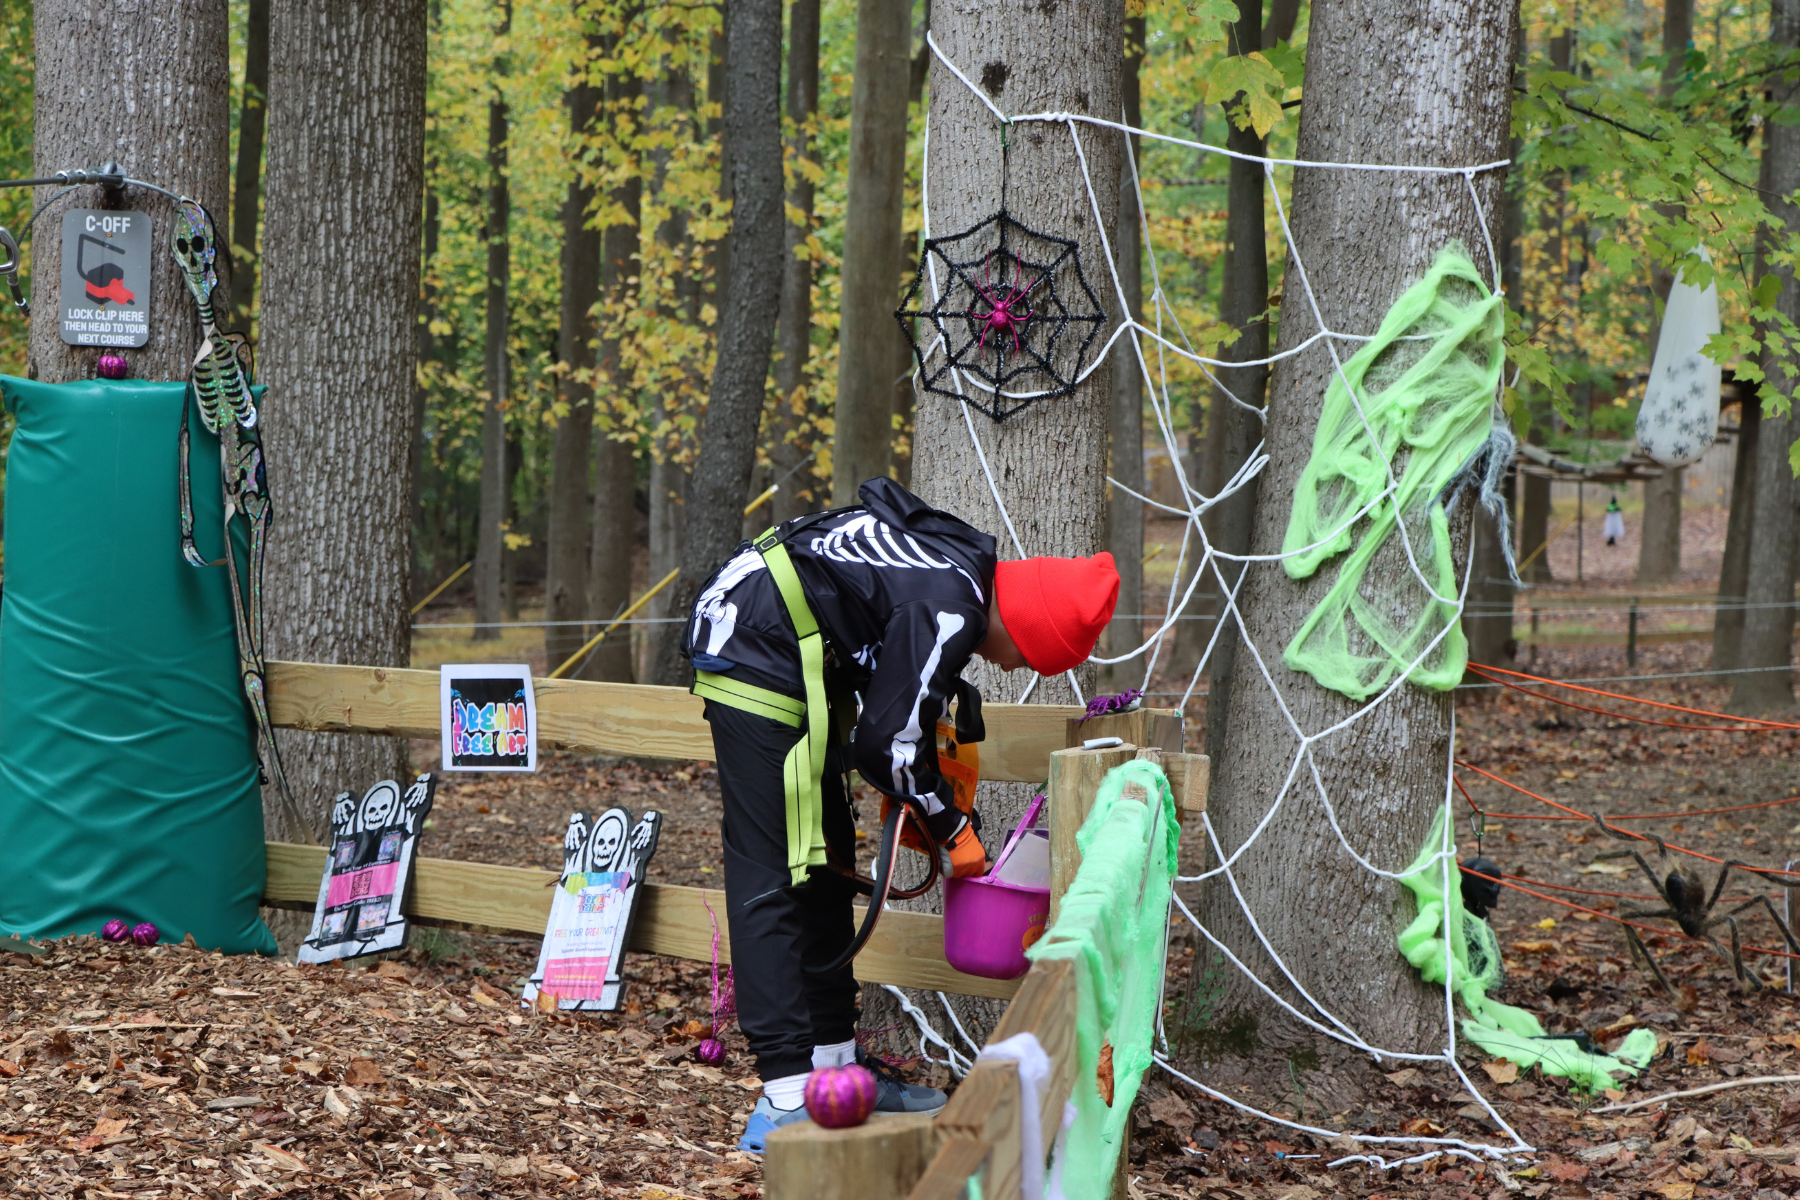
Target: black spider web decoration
x=1016 y=320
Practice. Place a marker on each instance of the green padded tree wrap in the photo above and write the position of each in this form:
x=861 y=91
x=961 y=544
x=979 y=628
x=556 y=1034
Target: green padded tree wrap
x=1426 y=384
x=1474 y=958
x=128 y=773
x=1113 y=924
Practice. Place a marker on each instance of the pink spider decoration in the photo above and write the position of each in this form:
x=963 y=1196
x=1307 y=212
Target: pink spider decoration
x=1006 y=314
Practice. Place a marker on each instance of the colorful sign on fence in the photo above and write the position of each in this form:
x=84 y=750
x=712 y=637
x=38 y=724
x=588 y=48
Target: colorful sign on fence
x=582 y=960
x=489 y=717
x=372 y=848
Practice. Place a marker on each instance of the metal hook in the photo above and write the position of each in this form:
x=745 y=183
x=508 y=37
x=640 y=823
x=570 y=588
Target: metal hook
x=10 y=269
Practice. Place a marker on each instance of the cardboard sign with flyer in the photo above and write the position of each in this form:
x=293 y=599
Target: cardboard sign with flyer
x=581 y=964
x=372 y=846
x=488 y=717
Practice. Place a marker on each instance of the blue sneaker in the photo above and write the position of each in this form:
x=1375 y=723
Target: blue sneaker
x=893 y=1095
x=763 y=1121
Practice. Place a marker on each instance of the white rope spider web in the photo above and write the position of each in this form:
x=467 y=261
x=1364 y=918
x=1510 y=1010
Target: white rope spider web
x=1175 y=342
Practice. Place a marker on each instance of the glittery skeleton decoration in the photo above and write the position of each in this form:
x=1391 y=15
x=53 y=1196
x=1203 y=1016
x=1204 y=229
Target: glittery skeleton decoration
x=373 y=843
x=1679 y=417
x=221 y=387
x=580 y=965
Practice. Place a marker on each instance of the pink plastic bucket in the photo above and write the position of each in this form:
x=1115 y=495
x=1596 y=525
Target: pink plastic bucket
x=989 y=924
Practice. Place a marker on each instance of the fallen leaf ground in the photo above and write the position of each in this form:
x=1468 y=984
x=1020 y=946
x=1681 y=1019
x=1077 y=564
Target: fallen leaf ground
x=168 y=1072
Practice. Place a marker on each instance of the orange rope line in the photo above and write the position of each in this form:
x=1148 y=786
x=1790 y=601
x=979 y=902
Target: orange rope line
x=1558 y=887
x=1758 y=722
x=1676 y=814
x=1640 y=837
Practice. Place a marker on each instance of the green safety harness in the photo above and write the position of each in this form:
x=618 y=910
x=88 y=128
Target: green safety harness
x=803 y=771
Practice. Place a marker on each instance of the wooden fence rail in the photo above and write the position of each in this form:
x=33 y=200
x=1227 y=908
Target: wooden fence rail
x=907 y=948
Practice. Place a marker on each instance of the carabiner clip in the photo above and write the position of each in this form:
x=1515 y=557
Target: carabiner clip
x=10 y=269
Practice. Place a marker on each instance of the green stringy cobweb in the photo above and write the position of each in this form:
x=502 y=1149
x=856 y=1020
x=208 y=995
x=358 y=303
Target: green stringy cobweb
x=1426 y=385
x=1473 y=964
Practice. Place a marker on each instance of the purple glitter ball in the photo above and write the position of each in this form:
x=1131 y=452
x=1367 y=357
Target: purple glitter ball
x=112 y=366
x=145 y=934
x=711 y=1052
x=116 y=930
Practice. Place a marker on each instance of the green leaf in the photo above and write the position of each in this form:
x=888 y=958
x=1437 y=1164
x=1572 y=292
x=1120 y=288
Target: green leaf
x=1214 y=10
x=1253 y=76
x=1767 y=291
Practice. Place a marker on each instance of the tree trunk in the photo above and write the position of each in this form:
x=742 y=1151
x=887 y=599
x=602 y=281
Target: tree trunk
x=1125 y=513
x=161 y=109
x=426 y=341
x=1487 y=617
x=338 y=354
x=615 y=462
x=872 y=267
x=247 y=188
x=490 y=543
x=1243 y=299
x=747 y=310
x=1734 y=569
x=1534 y=529
x=566 y=552
x=794 y=326
x=1768 y=636
x=1659 y=541
x=1448 y=64
x=1283 y=15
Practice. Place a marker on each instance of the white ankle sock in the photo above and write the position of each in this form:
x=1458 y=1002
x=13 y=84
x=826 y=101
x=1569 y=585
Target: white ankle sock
x=838 y=1054
x=786 y=1093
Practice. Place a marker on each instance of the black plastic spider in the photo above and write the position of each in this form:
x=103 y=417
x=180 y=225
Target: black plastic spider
x=1688 y=905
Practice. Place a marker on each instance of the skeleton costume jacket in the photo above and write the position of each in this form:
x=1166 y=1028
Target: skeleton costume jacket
x=900 y=593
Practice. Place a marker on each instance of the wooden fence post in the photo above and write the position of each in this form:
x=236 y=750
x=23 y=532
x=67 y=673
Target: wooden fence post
x=1075 y=776
x=881 y=1160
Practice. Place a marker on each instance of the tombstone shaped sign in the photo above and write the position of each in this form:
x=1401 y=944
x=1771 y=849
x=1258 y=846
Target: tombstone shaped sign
x=581 y=963
x=105 y=299
x=372 y=847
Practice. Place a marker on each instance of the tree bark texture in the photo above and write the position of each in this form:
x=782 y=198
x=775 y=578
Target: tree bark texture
x=490 y=542
x=794 y=326
x=161 y=109
x=1734 y=567
x=1769 y=589
x=1659 y=541
x=566 y=549
x=253 y=114
x=1534 y=528
x=747 y=311
x=615 y=464
x=1236 y=428
x=1487 y=616
x=1283 y=16
x=1420 y=82
x=1125 y=513
x=338 y=354
x=872 y=268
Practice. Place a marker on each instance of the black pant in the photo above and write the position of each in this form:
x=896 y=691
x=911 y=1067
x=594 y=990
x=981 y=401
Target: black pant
x=779 y=930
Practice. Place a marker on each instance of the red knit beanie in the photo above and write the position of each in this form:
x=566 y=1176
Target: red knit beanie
x=1056 y=608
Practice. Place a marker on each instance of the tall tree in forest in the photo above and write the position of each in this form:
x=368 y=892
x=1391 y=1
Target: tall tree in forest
x=794 y=328
x=161 y=109
x=872 y=265
x=1659 y=540
x=1734 y=564
x=615 y=472
x=566 y=549
x=1768 y=635
x=246 y=191
x=747 y=310
x=490 y=543
x=1448 y=64
x=1235 y=424
x=338 y=352
x=1125 y=435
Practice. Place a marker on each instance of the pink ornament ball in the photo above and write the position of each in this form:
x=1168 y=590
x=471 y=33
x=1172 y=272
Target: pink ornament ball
x=116 y=930
x=112 y=366
x=145 y=934
x=711 y=1052
x=840 y=1097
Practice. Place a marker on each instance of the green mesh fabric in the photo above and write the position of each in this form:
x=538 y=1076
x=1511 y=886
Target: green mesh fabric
x=1112 y=924
x=1499 y=1029
x=1426 y=385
